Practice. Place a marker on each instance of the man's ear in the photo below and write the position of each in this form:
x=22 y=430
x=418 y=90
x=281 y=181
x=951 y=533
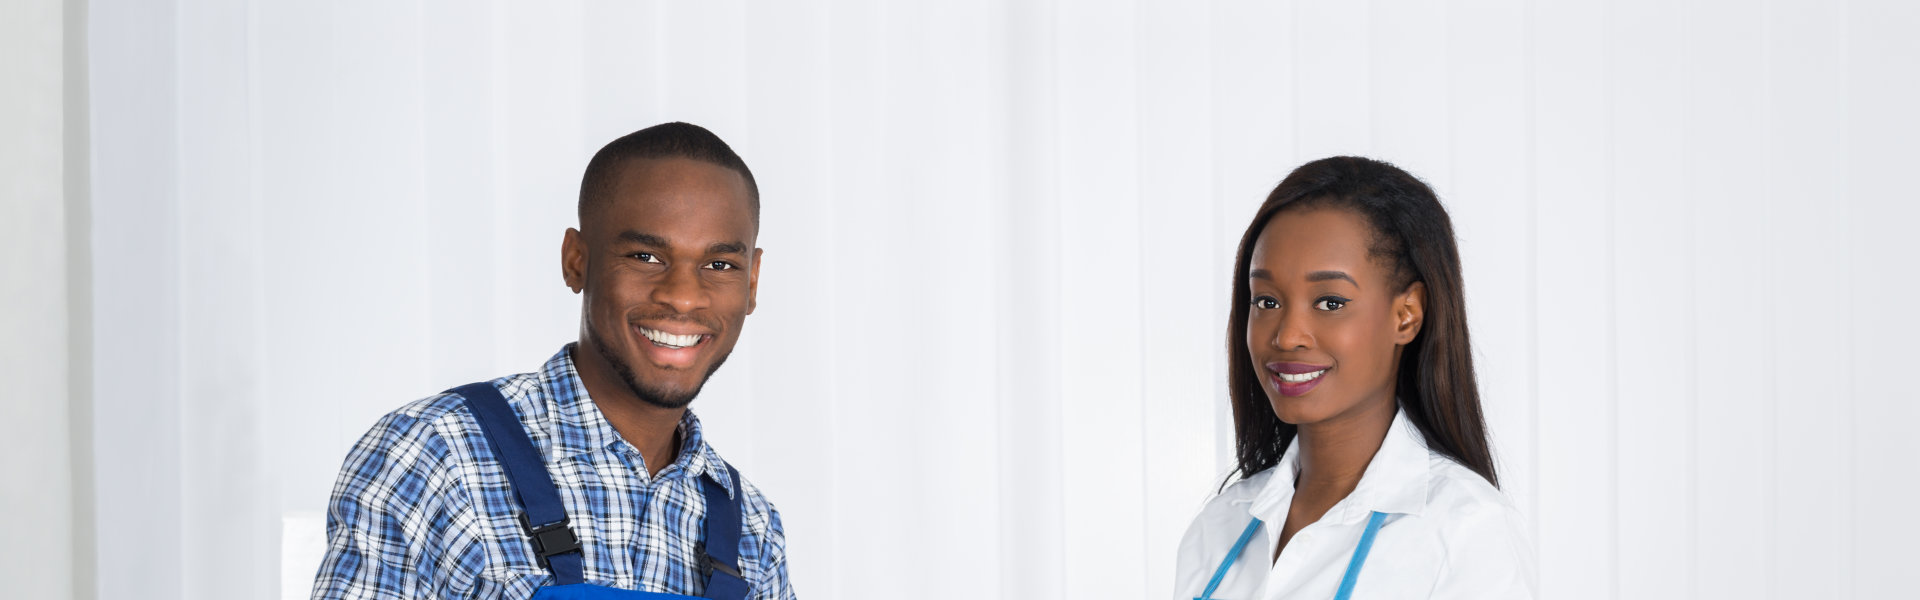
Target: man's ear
x=753 y=281
x=573 y=260
x=1409 y=312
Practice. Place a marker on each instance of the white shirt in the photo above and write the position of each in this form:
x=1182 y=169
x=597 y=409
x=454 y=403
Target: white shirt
x=1448 y=533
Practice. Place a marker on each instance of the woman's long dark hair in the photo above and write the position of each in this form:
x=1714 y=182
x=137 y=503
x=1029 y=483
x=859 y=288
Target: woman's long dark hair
x=1413 y=235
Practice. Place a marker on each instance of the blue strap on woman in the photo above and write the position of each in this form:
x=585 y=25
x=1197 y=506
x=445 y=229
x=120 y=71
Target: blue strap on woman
x=1346 y=581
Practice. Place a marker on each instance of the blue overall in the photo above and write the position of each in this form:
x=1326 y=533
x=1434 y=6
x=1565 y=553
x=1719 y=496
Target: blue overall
x=1346 y=581
x=545 y=519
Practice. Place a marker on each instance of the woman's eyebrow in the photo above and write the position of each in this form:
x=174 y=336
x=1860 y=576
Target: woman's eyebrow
x=1318 y=276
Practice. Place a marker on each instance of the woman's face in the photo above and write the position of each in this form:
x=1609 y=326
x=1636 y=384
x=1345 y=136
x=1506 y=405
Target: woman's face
x=1326 y=326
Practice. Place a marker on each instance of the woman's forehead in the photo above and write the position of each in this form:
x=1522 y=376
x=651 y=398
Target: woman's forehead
x=1296 y=243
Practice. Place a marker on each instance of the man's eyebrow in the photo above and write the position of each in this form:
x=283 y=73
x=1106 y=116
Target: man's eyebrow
x=728 y=248
x=643 y=238
x=1318 y=276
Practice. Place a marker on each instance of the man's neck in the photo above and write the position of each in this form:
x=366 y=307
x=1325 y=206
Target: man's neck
x=653 y=430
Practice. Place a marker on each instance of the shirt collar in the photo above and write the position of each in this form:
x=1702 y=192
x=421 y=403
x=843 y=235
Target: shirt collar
x=1395 y=482
x=579 y=428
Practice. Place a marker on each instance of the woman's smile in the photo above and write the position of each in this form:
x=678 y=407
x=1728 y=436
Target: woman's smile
x=1295 y=379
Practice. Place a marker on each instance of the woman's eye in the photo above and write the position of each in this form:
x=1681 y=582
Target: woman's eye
x=720 y=265
x=1266 y=303
x=1331 y=303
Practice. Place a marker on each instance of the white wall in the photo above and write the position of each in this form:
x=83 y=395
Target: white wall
x=998 y=236
x=37 y=473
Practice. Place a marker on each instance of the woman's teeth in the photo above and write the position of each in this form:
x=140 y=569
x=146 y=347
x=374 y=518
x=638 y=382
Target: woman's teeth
x=1301 y=377
x=661 y=338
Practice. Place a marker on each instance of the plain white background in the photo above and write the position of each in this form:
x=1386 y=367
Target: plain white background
x=987 y=358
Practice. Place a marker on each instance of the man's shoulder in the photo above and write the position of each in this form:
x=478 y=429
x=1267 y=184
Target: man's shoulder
x=764 y=540
x=757 y=512
x=436 y=409
x=411 y=442
x=752 y=500
x=417 y=453
x=450 y=408
x=425 y=421
x=438 y=425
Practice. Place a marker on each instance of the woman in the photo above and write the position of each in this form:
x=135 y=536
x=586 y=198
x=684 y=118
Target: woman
x=1363 y=461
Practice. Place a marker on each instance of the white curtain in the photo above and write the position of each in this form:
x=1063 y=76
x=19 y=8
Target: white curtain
x=987 y=356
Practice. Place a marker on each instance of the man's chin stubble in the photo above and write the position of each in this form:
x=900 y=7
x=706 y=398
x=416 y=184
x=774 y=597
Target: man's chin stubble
x=652 y=396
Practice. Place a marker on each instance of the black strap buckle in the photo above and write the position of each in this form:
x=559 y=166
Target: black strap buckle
x=550 y=539
x=722 y=567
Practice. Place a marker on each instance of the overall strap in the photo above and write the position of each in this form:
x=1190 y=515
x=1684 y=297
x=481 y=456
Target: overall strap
x=723 y=535
x=1360 y=556
x=543 y=516
x=1227 y=563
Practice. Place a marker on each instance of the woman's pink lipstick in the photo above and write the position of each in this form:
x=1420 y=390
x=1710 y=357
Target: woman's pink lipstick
x=1304 y=377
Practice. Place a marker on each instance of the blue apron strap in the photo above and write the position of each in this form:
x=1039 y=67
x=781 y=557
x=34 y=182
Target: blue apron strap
x=723 y=535
x=1360 y=556
x=544 y=518
x=1227 y=563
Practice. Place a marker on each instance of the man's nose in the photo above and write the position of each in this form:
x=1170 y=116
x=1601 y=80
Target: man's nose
x=682 y=289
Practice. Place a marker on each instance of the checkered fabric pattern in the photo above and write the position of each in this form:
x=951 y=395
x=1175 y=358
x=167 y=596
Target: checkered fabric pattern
x=422 y=508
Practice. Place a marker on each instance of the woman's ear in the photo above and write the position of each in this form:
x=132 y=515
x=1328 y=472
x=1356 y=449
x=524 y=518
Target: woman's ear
x=1409 y=311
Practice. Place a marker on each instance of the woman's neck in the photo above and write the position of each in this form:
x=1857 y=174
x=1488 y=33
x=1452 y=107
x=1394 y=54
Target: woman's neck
x=1334 y=453
x=1333 y=456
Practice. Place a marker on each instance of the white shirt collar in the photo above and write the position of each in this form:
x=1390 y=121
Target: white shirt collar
x=1396 y=480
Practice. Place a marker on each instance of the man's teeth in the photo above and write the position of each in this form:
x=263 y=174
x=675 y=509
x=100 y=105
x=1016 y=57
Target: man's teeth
x=670 y=340
x=1300 y=377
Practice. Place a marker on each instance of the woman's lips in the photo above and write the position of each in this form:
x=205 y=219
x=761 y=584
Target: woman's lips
x=1295 y=379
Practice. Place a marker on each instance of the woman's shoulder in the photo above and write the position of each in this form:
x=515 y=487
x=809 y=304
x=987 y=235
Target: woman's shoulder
x=1239 y=494
x=1215 y=528
x=1455 y=492
x=1483 y=535
x=1226 y=513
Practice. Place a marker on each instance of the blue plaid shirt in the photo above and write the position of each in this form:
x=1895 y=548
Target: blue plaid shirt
x=422 y=508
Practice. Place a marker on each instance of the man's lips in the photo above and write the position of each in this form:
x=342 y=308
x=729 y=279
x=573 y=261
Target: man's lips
x=670 y=349
x=673 y=337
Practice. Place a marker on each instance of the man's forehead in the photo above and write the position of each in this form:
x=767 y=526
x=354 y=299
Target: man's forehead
x=669 y=195
x=673 y=233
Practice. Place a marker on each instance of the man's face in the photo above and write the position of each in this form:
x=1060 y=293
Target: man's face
x=668 y=271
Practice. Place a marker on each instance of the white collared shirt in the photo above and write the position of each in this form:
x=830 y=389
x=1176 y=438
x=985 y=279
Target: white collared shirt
x=1448 y=533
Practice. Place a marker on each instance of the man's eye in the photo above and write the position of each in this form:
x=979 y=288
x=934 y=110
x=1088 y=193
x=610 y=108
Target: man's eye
x=644 y=257
x=1266 y=303
x=720 y=265
x=1331 y=303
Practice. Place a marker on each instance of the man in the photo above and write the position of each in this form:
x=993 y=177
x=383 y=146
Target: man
x=588 y=478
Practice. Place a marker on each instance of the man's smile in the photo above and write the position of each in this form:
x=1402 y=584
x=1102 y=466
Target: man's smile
x=673 y=340
x=673 y=351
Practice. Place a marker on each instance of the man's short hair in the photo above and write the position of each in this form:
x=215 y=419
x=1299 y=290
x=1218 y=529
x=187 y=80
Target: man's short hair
x=666 y=140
